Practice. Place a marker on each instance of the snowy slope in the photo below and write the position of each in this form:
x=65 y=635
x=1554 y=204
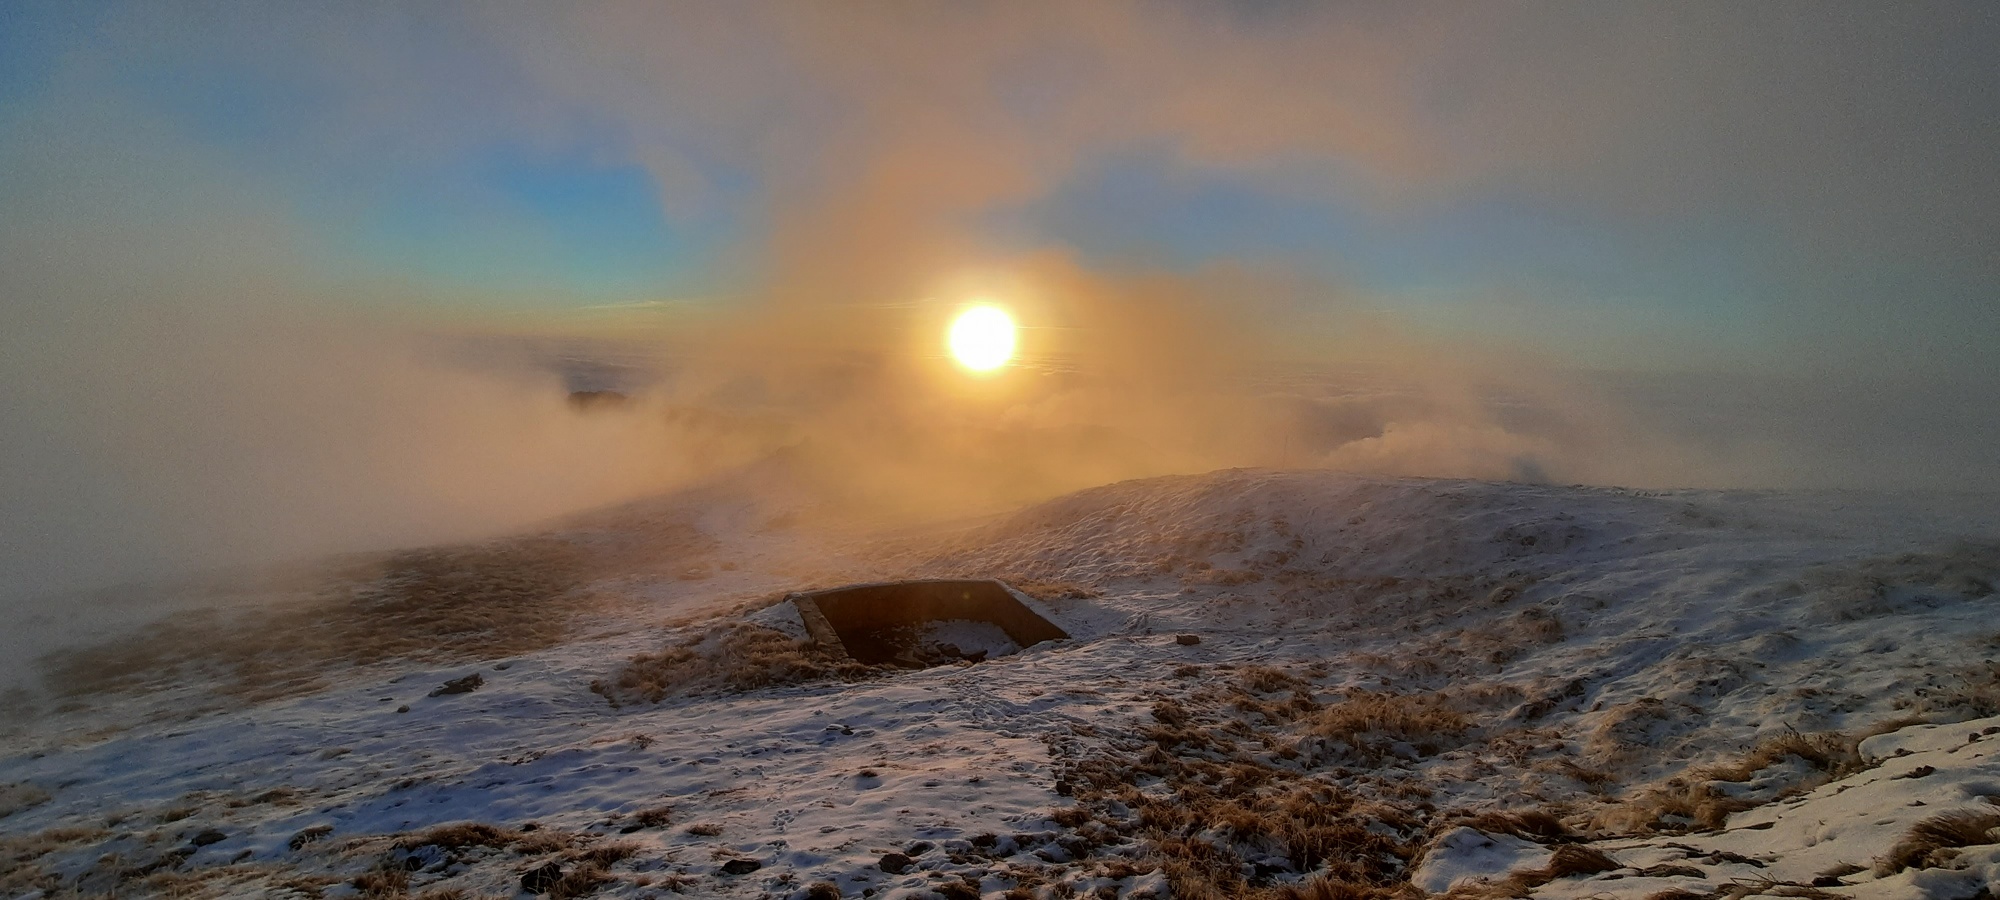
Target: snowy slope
x=1574 y=650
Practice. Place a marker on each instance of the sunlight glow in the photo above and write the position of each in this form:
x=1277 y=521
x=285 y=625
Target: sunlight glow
x=982 y=338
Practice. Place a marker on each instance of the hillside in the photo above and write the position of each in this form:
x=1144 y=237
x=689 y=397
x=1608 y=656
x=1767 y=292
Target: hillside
x=1282 y=684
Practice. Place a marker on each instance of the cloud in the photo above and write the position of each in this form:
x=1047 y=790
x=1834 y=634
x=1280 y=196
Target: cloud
x=206 y=376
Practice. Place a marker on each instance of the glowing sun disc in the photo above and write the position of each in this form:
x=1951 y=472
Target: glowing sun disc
x=982 y=338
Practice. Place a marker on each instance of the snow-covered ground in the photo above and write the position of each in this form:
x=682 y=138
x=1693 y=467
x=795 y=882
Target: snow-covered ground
x=1394 y=657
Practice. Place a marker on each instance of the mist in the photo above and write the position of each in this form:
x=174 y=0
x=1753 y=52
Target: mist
x=284 y=285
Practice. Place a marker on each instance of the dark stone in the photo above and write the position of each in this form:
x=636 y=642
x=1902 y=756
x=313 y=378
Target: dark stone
x=209 y=836
x=896 y=863
x=920 y=848
x=1919 y=772
x=404 y=708
x=465 y=685
x=741 y=866
x=540 y=879
x=1264 y=870
x=1187 y=640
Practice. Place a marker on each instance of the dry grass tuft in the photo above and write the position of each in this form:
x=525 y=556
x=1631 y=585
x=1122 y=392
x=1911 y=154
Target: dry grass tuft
x=728 y=658
x=461 y=835
x=1576 y=859
x=1693 y=800
x=450 y=604
x=1971 y=693
x=1933 y=841
x=1331 y=889
x=1540 y=826
x=655 y=817
x=579 y=881
x=1833 y=754
x=19 y=872
x=383 y=884
x=19 y=795
x=1372 y=724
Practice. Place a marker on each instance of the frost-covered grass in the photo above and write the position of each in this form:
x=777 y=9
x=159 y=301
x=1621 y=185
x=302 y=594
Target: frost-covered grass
x=729 y=658
x=469 y=603
x=1398 y=686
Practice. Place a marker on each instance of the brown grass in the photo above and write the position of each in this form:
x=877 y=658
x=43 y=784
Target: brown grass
x=579 y=881
x=450 y=604
x=655 y=817
x=383 y=884
x=19 y=795
x=1832 y=754
x=1373 y=723
x=1932 y=842
x=19 y=871
x=1972 y=692
x=1331 y=889
x=1540 y=826
x=728 y=658
x=1691 y=801
x=459 y=836
x=1217 y=814
x=1576 y=859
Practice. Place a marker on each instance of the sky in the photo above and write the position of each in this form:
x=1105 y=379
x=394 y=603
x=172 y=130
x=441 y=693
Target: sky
x=1668 y=244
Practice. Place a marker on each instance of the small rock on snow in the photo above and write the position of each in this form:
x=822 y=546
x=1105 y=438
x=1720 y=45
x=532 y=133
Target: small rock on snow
x=465 y=685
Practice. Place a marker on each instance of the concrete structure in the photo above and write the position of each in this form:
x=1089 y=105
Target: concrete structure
x=876 y=623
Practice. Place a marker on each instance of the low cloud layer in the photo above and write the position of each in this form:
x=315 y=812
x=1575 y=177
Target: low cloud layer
x=207 y=358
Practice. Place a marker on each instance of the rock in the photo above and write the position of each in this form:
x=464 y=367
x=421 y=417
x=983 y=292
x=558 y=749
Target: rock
x=1187 y=640
x=920 y=848
x=209 y=836
x=741 y=866
x=403 y=709
x=540 y=879
x=896 y=863
x=465 y=685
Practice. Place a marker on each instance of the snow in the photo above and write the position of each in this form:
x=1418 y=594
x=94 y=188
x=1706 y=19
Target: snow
x=1640 y=635
x=1851 y=823
x=1465 y=855
x=970 y=637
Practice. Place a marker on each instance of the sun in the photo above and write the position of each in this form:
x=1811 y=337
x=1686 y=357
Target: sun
x=982 y=338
